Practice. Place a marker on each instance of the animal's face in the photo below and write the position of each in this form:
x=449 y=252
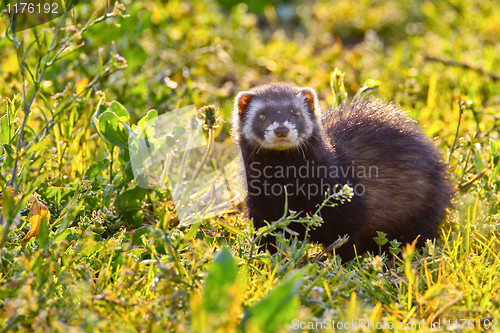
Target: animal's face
x=277 y=116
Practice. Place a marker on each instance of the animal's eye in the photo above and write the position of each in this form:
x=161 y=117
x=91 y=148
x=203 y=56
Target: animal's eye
x=295 y=114
x=263 y=117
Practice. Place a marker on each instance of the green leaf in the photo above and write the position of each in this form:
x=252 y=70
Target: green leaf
x=478 y=160
x=120 y=111
x=178 y=130
x=13 y=105
x=381 y=238
x=493 y=146
x=95 y=169
x=278 y=308
x=69 y=213
x=112 y=130
x=152 y=114
x=231 y=228
x=124 y=157
x=495 y=172
x=95 y=117
x=96 y=125
x=43 y=233
x=137 y=219
x=128 y=129
x=221 y=277
x=108 y=192
x=149 y=131
x=68 y=234
x=337 y=86
x=6 y=131
x=130 y=201
x=39 y=146
x=9 y=153
x=54 y=194
x=192 y=232
x=369 y=87
x=170 y=141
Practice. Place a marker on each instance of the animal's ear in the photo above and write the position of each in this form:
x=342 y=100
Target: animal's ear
x=311 y=98
x=242 y=101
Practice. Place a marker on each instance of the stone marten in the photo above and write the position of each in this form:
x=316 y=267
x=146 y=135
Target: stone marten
x=399 y=181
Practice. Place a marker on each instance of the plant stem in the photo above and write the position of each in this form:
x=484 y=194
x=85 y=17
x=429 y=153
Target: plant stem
x=453 y=146
x=27 y=104
x=208 y=152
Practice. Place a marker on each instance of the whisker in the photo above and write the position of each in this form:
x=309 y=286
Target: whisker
x=301 y=148
x=311 y=147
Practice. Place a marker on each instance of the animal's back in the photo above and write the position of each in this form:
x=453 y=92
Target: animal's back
x=406 y=190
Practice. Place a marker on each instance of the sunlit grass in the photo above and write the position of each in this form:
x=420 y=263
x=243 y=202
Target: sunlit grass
x=113 y=256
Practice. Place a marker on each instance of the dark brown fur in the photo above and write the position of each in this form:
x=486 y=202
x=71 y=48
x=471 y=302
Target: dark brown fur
x=406 y=199
x=410 y=195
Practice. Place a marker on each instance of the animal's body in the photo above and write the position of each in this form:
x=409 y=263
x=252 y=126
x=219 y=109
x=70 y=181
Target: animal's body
x=400 y=183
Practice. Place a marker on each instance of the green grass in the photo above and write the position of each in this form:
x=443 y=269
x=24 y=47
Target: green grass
x=112 y=256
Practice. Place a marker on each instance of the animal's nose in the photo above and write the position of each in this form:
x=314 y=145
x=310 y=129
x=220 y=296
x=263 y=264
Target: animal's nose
x=282 y=131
